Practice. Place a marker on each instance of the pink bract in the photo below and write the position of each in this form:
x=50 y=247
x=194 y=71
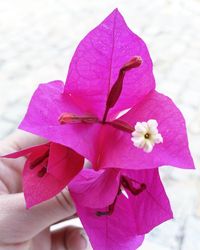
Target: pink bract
x=96 y=63
x=95 y=191
x=48 y=169
x=93 y=72
x=116 y=148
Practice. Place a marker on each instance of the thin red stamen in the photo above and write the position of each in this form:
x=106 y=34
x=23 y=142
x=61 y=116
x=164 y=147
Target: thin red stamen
x=39 y=160
x=110 y=207
x=71 y=118
x=127 y=183
x=65 y=118
x=121 y=125
x=42 y=172
x=43 y=168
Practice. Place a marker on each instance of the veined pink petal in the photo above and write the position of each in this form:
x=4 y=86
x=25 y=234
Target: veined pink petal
x=39 y=149
x=38 y=189
x=64 y=163
x=143 y=212
x=136 y=215
x=151 y=206
x=59 y=167
x=48 y=169
x=96 y=189
x=96 y=63
x=120 y=152
x=110 y=233
x=46 y=106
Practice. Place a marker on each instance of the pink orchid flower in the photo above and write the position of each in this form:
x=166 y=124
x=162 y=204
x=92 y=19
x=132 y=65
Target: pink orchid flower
x=110 y=72
x=117 y=207
x=48 y=169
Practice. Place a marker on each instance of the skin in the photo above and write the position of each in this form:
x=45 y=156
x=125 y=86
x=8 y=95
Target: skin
x=22 y=229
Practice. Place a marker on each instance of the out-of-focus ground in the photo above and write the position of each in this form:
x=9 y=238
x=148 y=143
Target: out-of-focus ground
x=37 y=40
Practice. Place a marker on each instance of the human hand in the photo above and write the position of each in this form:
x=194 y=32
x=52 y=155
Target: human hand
x=22 y=229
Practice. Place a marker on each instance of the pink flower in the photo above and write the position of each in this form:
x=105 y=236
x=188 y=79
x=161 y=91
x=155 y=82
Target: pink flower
x=111 y=71
x=48 y=169
x=113 y=220
x=110 y=113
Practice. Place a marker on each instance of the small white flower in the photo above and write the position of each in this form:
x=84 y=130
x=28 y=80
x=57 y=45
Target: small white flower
x=146 y=135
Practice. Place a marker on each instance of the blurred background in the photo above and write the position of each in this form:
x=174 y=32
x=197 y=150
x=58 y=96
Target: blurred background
x=37 y=40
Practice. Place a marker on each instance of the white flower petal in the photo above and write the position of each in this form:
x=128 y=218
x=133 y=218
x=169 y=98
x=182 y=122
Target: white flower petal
x=152 y=123
x=145 y=125
x=158 y=138
x=152 y=126
x=148 y=147
x=139 y=142
x=140 y=127
x=153 y=130
x=137 y=134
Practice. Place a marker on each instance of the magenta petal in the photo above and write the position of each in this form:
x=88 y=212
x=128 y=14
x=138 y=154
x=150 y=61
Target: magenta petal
x=106 y=232
x=120 y=152
x=64 y=163
x=110 y=232
x=141 y=212
x=96 y=63
x=37 y=189
x=47 y=104
x=152 y=206
x=39 y=149
x=96 y=189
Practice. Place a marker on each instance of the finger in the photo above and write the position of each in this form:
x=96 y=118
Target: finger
x=10 y=170
x=70 y=238
x=21 y=139
x=74 y=216
x=19 y=224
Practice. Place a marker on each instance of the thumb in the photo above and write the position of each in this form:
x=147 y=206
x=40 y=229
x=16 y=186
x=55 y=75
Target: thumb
x=19 y=224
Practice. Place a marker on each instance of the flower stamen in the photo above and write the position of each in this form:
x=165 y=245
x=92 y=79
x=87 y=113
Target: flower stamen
x=65 y=118
x=43 y=168
x=42 y=172
x=110 y=207
x=39 y=160
x=126 y=183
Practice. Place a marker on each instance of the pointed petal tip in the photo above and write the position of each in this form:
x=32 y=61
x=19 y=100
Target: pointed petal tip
x=189 y=161
x=192 y=166
x=115 y=12
x=28 y=204
x=192 y=162
x=28 y=207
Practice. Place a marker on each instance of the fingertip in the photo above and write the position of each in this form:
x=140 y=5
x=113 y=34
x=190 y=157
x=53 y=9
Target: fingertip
x=77 y=240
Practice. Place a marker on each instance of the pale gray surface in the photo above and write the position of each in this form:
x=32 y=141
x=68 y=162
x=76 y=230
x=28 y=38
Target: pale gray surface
x=37 y=40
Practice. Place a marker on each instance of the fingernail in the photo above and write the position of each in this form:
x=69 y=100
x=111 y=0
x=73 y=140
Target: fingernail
x=77 y=241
